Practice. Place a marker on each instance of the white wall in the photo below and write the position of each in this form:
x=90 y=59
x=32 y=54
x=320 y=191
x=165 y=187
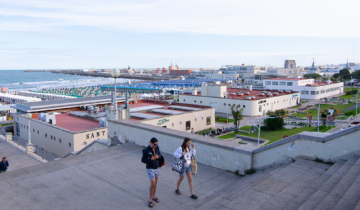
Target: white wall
x=51 y=142
x=178 y=122
x=251 y=107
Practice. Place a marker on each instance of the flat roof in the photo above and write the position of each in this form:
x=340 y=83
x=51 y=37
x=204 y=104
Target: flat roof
x=253 y=92
x=65 y=103
x=288 y=78
x=73 y=123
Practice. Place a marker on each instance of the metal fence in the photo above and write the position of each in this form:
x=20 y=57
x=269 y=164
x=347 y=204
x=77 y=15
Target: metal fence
x=38 y=151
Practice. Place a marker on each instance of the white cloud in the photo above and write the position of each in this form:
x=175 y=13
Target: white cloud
x=250 y=18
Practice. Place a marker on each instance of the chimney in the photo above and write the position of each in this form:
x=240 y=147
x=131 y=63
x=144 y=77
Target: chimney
x=250 y=87
x=194 y=92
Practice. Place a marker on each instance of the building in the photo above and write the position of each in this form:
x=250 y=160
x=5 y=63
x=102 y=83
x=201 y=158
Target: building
x=309 y=88
x=177 y=116
x=289 y=64
x=60 y=133
x=182 y=72
x=254 y=102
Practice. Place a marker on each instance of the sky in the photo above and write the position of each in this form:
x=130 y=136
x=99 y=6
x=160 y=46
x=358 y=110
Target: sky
x=83 y=34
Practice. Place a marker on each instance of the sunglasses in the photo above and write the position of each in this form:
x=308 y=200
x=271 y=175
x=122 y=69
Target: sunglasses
x=155 y=145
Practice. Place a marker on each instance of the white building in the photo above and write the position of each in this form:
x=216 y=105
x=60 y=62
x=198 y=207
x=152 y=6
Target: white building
x=254 y=102
x=308 y=88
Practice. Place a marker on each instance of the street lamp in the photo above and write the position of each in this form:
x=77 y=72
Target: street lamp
x=29 y=145
x=252 y=129
x=115 y=73
x=319 y=116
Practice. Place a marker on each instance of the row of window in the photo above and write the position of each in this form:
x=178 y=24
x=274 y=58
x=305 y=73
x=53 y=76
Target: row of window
x=37 y=131
x=277 y=83
x=317 y=92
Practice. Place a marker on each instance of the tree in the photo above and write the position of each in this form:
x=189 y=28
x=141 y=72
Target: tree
x=237 y=115
x=282 y=114
x=343 y=74
x=313 y=76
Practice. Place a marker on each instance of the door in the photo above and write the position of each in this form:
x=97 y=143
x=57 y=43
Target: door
x=214 y=105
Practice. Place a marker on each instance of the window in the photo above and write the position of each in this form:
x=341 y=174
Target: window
x=267 y=83
x=305 y=92
x=317 y=93
x=37 y=131
x=283 y=83
x=244 y=106
x=50 y=136
x=188 y=125
x=180 y=123
x=172 y=124
x=290 y=84
x=202 y=118
x=59 y=140
x=200 y=102
x=260 y=108
x=69 y=144
x=322 y=91
x=33 y=130
x=208 y=120
x=312 y=92
x=45 y=135
x=54 y=138
x=275 y=83
x=184 y=100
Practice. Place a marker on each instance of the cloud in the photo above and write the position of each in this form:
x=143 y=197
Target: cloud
x=248 y=18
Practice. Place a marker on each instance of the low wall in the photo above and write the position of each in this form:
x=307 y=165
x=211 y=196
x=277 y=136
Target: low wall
x=215 y=153
x=325 y=146
x=227 y=155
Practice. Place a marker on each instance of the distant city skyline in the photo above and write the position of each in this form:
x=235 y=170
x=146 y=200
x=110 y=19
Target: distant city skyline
x=83 y=34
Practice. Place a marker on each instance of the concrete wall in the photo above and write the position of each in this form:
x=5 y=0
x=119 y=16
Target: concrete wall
x=325 y=146
x=216 y=153
x=228 y=155
x=251 y=107
x=198 y=120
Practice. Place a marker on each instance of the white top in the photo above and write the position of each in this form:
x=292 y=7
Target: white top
x=187 y=156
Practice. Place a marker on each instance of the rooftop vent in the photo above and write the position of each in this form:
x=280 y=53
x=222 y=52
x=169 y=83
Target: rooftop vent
x=288 y=91
x=261 y=94
x=247 y=93
x=269 y=94
x=280 y=91
x=247 y=98
x=233 y=93
x=276 y=93
x=240 y=93
x=253 y=97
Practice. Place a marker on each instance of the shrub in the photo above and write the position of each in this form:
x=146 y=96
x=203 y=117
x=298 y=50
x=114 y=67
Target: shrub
x=273 y=124
x=354 y=91
x=250 y=171
x=217 y=118
x=348 y=92
x=350 y=112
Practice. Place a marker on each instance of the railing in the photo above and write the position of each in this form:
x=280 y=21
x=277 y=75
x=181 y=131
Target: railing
x=19 y=141
x=38 y=151
x=44 y=155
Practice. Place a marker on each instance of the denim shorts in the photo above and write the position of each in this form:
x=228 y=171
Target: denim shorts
x=187 y=169
x=152 y=173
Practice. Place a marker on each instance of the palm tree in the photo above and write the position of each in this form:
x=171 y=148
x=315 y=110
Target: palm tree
x=282 y=114
x=237 y=114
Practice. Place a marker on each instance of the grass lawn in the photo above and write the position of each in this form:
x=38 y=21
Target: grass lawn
x=325 y=106
x=273 y=136
x=224 y=120
x=7 y=124
x=294 y=107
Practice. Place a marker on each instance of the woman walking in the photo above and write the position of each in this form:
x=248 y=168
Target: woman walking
x=186 y=152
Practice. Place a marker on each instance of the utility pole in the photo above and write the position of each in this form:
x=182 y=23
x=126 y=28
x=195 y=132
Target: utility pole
x=319 y=116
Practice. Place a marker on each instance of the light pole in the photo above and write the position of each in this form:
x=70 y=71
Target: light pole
x=252 y=129
x=115 y=73
x=29 y=148
x=357 y=98
x=319 y=115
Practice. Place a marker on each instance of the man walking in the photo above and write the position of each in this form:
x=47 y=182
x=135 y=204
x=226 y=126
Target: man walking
x=3 y=165
x=151 y=157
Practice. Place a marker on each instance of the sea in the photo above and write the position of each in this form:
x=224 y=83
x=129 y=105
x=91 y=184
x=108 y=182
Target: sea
x=15 y=80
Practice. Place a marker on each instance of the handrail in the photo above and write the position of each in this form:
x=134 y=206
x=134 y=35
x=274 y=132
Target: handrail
x=40 y=152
